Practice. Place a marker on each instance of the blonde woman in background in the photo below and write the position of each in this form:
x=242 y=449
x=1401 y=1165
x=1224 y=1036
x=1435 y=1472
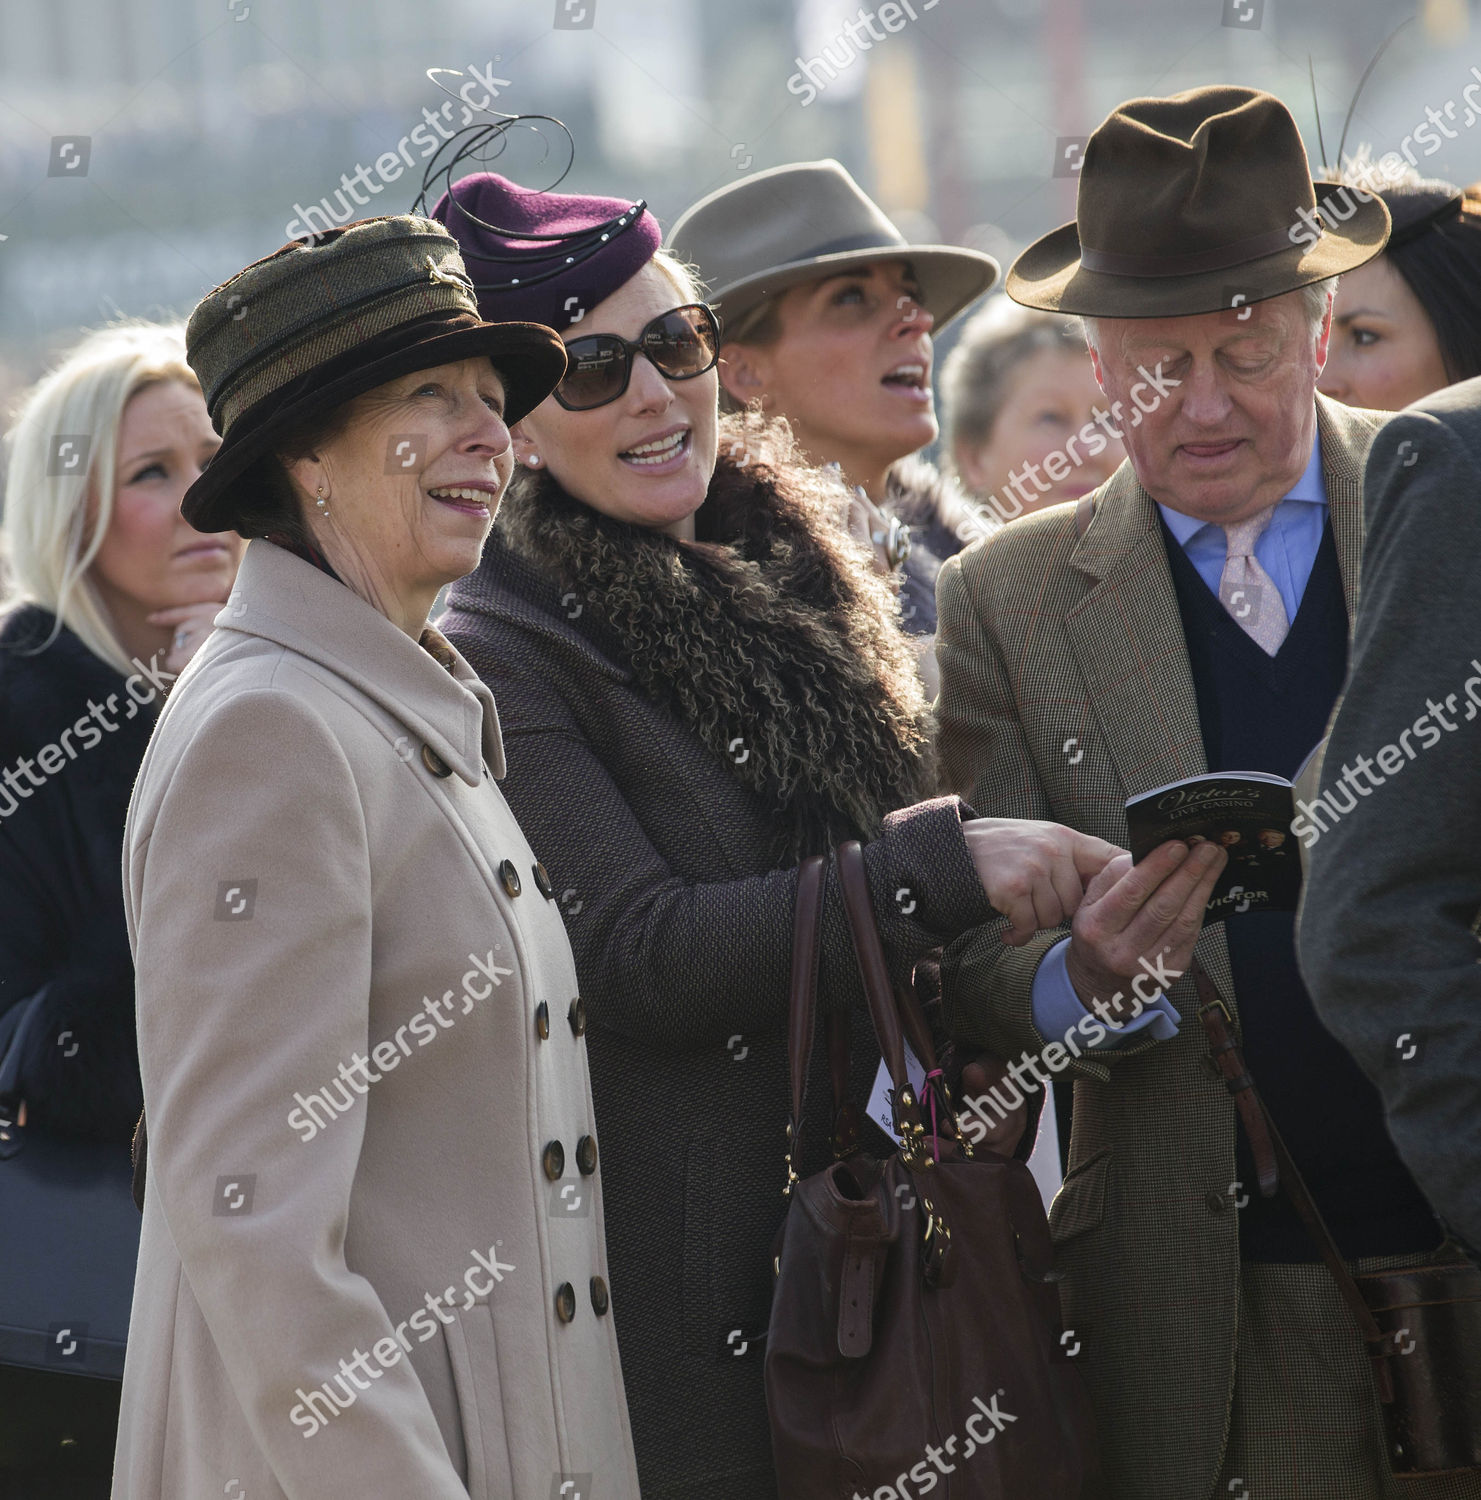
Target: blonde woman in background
x=107 y=594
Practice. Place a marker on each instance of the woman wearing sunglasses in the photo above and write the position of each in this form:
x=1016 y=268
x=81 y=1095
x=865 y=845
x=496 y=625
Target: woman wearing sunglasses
x=699 y=682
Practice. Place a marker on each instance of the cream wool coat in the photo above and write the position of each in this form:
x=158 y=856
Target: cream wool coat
x=304 y=889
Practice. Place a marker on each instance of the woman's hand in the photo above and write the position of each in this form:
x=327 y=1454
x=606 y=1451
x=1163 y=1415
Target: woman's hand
x=1034 y=873
x=193 y=623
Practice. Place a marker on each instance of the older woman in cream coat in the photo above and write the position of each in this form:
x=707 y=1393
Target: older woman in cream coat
x=372 y=1258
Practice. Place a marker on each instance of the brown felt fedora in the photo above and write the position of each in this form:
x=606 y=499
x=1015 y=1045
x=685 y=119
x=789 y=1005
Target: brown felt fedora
x=307 y=328
x=1193 y=204
x=787 y=225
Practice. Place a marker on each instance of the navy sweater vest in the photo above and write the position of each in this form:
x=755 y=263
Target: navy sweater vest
x=1262 y=713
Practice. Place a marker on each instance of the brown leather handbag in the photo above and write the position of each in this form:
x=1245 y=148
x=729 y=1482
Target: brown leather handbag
x=914 y=1344
x=1421 y=1325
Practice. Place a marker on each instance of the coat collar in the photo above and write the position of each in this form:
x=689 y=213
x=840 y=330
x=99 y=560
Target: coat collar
x=1127 y=631
x=508 y=587
x=281 y=598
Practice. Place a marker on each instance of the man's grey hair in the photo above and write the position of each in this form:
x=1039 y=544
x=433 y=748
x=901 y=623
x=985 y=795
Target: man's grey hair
x=1313 y=305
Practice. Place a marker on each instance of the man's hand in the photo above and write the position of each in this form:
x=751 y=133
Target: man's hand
x=1034 y=873
x=1151 y=910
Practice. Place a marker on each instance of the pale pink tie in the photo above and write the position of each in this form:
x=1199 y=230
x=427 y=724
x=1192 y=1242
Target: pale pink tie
x=1247 y=591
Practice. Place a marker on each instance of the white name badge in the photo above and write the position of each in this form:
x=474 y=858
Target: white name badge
x=879 y=1095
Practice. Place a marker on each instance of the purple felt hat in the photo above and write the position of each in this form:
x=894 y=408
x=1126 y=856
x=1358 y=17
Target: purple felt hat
x=544 y=257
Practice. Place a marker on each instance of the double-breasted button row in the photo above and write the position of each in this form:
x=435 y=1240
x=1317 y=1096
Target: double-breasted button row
x=508 y=875
x=553 y=1158
x=575 y=1015
x=565 y=1299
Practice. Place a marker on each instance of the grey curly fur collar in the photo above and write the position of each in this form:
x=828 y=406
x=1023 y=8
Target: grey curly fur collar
x=770 y=628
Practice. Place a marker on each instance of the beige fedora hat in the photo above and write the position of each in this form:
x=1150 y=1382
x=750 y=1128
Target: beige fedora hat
x=787 y=225
x=1192 y=204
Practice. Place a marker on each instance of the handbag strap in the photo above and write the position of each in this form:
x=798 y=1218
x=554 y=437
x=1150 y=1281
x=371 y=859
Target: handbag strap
x=1218 y=1024
x=1216 y=1018
x=886 y=1006
x=807 y=942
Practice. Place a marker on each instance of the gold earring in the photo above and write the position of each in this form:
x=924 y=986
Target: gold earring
x=321 y=502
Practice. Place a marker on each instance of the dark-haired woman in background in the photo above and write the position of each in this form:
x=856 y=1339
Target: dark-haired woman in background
x=1409 y=322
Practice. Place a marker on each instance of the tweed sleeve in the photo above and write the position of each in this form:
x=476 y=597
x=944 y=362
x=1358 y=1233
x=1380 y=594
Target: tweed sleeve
x=987 y=984
x=1387 y=929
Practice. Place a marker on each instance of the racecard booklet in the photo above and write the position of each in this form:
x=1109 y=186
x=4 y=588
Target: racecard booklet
x=1249 y=813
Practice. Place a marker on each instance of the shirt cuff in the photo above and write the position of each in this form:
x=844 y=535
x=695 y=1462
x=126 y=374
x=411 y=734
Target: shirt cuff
x=1057 y=1009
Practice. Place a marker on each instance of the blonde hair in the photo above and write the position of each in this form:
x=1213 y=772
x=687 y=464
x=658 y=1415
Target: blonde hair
x=48 y=539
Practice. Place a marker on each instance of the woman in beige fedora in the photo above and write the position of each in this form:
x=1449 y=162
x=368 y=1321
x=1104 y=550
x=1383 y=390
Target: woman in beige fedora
x=369 y=1265
x=827 y=315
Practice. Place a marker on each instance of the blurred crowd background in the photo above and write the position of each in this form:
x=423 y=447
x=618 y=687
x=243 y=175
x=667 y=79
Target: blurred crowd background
x=207 y=121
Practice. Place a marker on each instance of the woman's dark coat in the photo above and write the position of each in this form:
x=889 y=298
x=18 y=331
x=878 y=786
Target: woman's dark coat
x=673 y=859
x=61 y=886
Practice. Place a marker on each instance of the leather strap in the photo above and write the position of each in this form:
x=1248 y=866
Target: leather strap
x=807 y=944
x=1084 y=513
x=1226 y=1054
x=889 y=1006
x=873 y=969
x=856 y=1296
x=1215 y=1016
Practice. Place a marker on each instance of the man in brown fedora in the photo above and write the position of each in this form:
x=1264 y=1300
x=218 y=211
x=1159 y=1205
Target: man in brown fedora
x=1191 y=615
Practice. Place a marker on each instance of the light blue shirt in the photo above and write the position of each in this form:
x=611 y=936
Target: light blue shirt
x=1287 y=550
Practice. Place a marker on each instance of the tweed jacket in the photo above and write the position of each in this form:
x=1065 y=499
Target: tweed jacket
x=1065 y=690
x=1388 y=916
x=681 y=918
x=351 y=1183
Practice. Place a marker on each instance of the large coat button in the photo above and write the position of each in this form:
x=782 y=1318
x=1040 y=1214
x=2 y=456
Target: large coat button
x=542 y=1021
x=577 y=1016
x=565 y=1302
x=553 y=1159
x=509 y=877
x=1216 y=1203
x=586 y=1155
x=600 y=1299
x=434 y=762
x=542 y=882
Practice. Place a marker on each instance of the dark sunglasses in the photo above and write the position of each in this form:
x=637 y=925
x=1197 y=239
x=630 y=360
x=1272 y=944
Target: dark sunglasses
x=680 y=344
